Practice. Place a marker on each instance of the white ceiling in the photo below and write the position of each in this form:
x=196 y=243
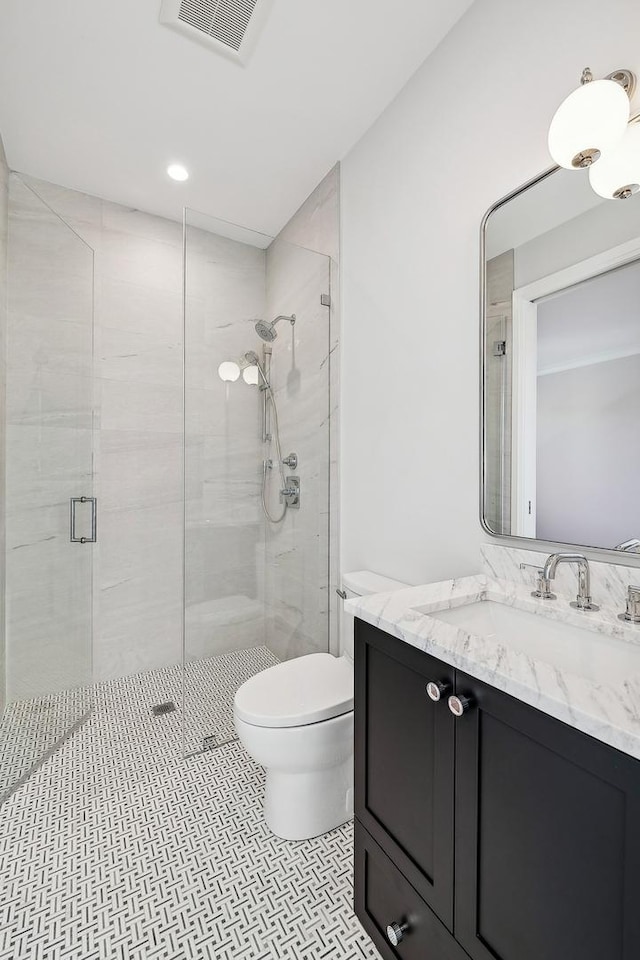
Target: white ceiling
x=97 y=95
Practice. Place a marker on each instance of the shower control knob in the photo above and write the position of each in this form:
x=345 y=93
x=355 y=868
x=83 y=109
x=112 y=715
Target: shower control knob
x=291 y=461
x=436 y=690
x=396 y=932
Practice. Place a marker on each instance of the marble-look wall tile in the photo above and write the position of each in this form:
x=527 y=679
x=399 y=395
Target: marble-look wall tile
x=49 y=399
x=316 y=226
x=142 y=407
x=499 y=323
x=302 y=563
x=297 y=558
x=225 y=293
x=4 y=232
x=139 y=624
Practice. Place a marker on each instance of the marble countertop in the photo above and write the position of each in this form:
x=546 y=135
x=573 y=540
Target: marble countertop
x=603 y=699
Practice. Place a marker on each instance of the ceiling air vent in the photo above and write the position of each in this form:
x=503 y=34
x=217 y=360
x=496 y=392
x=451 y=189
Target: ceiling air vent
x=228 y=26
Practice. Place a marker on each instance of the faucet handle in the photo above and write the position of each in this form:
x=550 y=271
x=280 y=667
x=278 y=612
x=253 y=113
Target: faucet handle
x=632 y=612
x=543 y=585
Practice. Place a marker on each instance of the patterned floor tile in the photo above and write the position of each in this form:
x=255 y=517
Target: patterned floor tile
x=118 y=848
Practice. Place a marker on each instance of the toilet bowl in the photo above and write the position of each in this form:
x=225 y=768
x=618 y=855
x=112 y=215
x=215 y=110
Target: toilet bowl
x=296 y=720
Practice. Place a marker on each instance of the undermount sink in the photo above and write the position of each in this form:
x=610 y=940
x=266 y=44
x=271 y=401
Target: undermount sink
x=577 y=649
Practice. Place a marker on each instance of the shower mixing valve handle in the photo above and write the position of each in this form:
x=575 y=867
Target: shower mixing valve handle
x=290 y=494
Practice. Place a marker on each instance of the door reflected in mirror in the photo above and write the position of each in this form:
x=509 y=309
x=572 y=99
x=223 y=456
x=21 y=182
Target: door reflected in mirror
x=561 y=366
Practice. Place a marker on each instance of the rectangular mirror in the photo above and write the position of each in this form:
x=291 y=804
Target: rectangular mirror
x=561 y=365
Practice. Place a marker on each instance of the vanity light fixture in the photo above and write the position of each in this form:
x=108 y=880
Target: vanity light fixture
x=229 y=371
x=177 y=172
x=591 y=120
x=616 y=176
x=592 y=129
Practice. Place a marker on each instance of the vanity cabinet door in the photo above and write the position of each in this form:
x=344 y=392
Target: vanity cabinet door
x=547 y=836
x=404 y=762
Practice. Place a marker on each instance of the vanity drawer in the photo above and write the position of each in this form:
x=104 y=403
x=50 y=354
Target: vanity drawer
x=383 y=896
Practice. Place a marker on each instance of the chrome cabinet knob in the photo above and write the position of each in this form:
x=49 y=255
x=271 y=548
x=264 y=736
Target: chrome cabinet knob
x=396 y=932
x=436 y=690
x=459 y=705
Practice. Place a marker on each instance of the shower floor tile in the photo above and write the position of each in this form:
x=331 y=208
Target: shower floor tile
x=31 y=728
x=117 y=848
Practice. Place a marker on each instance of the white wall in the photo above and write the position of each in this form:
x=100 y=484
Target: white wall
x=588 y=454
x=470 y=126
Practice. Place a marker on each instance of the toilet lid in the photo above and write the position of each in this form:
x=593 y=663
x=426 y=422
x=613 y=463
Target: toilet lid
x=297 y=692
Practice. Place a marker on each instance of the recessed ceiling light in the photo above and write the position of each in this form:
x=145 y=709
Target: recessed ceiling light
x=177 y=172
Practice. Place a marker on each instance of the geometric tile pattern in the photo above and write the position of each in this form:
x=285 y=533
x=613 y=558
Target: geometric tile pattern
x=210 y=686
x=119 y=848
x=30 y=728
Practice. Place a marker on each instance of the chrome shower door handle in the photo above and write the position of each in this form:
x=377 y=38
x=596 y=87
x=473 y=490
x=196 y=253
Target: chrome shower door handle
x=74 y=501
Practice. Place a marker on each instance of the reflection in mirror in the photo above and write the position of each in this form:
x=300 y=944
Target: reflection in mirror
x=562 y=366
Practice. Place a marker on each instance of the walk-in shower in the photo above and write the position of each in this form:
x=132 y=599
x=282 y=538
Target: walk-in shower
x=256 y=567
x=189 y=589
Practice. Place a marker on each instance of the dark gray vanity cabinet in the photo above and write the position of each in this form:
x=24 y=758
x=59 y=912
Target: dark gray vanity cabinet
x=501 y=834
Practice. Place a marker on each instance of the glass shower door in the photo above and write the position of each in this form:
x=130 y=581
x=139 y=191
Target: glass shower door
x=256 y=351
x=50 y=504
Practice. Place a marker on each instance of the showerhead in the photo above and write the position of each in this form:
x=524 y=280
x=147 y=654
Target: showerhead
x=266 y=329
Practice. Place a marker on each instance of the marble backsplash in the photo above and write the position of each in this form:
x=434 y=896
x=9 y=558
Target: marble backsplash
x=609 y=581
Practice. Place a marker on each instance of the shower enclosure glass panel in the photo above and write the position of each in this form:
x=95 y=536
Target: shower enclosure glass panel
x=49 y=483
x=256 y=464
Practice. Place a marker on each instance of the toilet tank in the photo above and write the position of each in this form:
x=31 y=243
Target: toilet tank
x=362 y=583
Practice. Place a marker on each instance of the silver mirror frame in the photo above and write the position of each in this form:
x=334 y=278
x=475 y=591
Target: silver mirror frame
x=508 y=540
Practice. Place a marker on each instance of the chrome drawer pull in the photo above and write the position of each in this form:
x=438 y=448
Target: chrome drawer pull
x=396 y=932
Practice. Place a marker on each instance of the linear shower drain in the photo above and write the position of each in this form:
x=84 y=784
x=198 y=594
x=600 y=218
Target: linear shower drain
x=160 y=709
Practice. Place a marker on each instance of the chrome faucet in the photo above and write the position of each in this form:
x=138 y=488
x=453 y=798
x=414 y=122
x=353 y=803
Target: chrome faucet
x=583 y=599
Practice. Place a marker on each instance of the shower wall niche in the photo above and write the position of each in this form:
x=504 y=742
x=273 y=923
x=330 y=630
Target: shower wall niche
x=256 y=591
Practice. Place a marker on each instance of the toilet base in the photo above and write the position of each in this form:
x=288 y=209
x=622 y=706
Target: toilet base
x=298 y=806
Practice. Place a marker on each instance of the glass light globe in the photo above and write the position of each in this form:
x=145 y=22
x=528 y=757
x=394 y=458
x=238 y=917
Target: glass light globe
x=250 y=375
x=591 y=120
x=617 y=174
x=177 y=172
x=228 y=370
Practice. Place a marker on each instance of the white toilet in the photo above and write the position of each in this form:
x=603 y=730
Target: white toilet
x=296 y=720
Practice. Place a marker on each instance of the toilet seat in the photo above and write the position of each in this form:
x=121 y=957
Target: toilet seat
x=297 y=692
